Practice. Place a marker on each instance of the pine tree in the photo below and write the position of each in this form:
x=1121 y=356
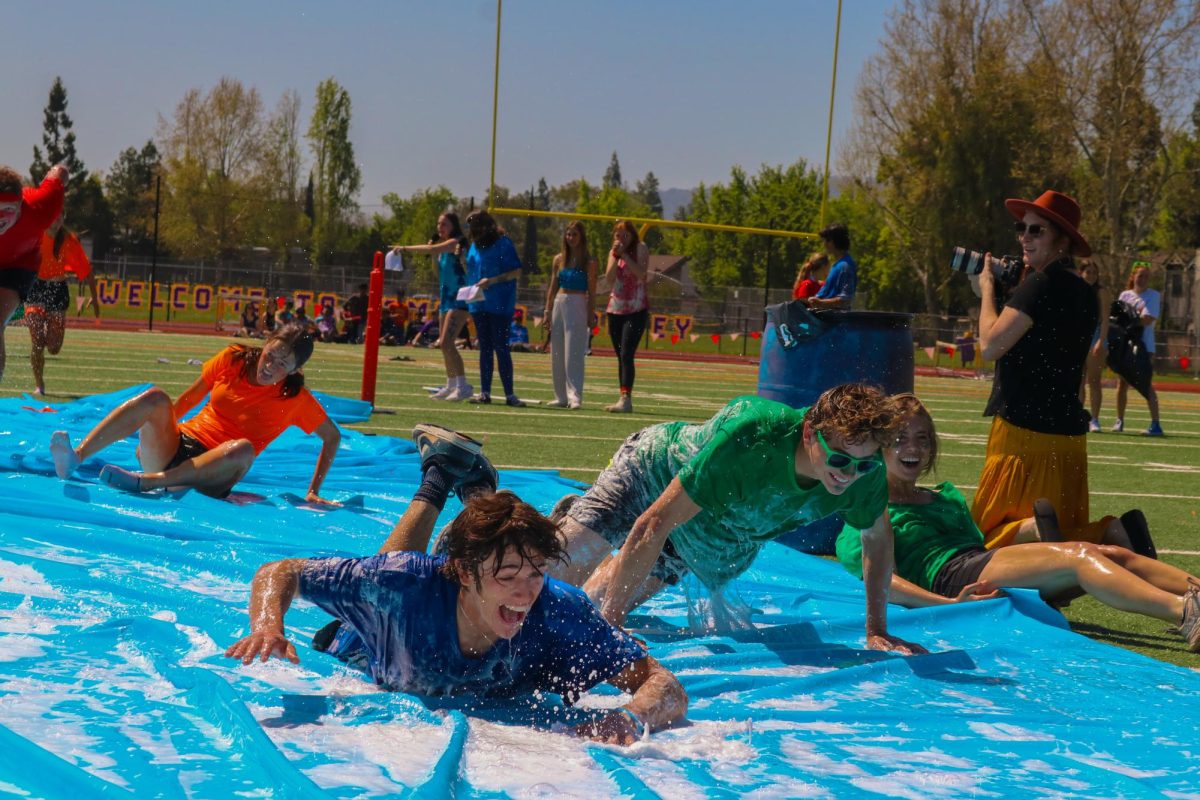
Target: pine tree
x=57 y=138
x=612 y=175
x=647 y=192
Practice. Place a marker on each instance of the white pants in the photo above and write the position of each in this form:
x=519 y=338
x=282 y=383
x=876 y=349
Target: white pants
x=568 y=345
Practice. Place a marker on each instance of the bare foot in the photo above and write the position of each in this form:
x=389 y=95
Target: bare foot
x=65 y=457
x=121 y=479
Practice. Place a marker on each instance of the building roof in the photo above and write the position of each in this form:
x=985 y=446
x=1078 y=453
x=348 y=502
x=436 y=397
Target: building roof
x=667 y=264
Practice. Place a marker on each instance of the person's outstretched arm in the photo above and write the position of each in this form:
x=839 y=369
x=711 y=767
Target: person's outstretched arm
x=642 y=548
x=877 y=554
x=331 y=437
x=447 y=246
x=658 y=700
x=271 y=594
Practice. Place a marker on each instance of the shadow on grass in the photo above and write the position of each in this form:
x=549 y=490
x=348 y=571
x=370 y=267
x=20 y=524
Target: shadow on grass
x=1165 y=642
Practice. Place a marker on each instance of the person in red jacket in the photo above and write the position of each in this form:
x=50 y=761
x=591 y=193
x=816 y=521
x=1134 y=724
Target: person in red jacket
x=25 y=214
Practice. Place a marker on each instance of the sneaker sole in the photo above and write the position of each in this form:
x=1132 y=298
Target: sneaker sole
x=435 y=438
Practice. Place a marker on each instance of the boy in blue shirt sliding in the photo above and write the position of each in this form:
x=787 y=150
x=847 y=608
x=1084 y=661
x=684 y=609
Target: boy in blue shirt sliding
x=482 y=619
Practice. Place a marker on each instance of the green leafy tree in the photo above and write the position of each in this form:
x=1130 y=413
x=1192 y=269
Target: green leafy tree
x=337 y=177
x=1178 y=226
x=283 y=224
x=129 y=188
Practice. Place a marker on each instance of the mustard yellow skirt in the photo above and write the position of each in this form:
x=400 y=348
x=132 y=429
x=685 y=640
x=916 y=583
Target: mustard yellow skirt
x=1022 y=465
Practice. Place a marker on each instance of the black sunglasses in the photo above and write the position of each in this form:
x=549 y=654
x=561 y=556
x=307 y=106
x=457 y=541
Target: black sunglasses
x=1032 y=231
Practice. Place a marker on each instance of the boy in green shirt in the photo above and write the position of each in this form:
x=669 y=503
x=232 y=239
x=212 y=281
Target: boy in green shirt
x=705 y=498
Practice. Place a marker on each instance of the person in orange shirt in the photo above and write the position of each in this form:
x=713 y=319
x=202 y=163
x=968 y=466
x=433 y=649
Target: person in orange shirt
x=49 y=297
x=255 y=394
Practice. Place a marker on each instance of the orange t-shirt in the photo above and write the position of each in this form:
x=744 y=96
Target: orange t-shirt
x=71 y=258
x=238 y=409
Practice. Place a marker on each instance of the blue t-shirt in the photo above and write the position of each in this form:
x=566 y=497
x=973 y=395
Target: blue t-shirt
x=518 y=333
x=842 y=281
x=400 y=625
x=488 y=262
x=452 y=277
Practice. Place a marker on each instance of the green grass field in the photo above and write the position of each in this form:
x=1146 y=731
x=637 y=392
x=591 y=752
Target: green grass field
x=1160 y=476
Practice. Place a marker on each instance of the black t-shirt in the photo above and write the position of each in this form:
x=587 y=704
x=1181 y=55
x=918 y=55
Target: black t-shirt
x=1037 y=381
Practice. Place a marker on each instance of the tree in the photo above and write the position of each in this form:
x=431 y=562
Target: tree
x=337 y=177
x=1123 y=69
x=83 y=209
x=129 y=189
x=1178 y=224
x=212 y=152
x=612 y=175
x=284 y=221
x=647 y=192
x=947 y=127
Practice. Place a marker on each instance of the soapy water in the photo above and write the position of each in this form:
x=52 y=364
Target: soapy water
x=115 y=611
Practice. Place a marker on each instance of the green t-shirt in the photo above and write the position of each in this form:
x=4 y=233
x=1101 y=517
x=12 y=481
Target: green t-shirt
x=740 y=468
x=926 y=536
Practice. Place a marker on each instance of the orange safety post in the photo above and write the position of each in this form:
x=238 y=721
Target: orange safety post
x=371 y=337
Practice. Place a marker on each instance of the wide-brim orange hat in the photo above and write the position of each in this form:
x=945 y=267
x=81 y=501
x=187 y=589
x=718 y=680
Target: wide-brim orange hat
x=1058 y=208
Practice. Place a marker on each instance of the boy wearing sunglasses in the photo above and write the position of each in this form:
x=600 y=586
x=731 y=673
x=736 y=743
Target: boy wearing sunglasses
x=705 y=498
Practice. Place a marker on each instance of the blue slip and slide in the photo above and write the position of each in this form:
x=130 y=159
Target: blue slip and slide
x=115 y=610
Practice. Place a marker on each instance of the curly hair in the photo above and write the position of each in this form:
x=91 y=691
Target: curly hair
x=488 y=526
x=909 y=405
x=856 y=413
x=10 y=181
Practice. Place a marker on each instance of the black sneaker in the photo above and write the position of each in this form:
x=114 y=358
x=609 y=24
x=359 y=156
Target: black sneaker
x=449 y=449
x=480 y=478
x=1046 y=520
x=1139 y=533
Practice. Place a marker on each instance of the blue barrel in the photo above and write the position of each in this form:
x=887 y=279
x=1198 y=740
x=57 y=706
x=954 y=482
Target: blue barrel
x=805 y=352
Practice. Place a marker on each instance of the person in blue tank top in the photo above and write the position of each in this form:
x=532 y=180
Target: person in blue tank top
x=482 y=620
x=493 y=267
x=451 y=278
x=839 y=288
x=570 y=303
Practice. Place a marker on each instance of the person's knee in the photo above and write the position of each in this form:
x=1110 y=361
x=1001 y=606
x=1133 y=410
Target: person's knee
x=155 y=400
x=1113 y=552
x=241 y=453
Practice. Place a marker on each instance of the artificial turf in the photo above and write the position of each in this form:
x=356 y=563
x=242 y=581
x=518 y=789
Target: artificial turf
x=1161 y=476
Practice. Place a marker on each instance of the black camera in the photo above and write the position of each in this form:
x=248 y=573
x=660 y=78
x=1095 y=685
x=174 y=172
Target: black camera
x=1007 y=270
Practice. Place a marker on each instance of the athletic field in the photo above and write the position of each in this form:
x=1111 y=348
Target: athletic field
x=1161 y=476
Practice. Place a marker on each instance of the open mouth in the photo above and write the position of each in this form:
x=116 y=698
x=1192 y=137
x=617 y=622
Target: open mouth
x=513 y=615
x=840 y=480
x=911 y=463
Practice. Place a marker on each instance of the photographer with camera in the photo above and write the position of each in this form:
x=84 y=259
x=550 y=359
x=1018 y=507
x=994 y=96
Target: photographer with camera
x=1040 y=339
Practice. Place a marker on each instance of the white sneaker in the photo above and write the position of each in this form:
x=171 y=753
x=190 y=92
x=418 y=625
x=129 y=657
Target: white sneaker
x=460 y=393
x=1094 y=426
x=575 y=405
x=442 y=393
x=1118 y=426
x=556 y=404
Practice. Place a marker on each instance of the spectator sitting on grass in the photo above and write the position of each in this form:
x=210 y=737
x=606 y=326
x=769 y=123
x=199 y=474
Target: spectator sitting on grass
x=354 y=316
x=940 y=556
x=518 y=334
x=250 y=320
x=327 y=323
x=427 y=334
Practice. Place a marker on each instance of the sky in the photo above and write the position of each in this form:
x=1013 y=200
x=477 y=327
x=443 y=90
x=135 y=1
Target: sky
x=684 y=88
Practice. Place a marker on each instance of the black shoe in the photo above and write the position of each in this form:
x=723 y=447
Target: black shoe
x=480 y=478
x=324 y=637
x=1139 y=533
x=1046 y=520
x=450 y=450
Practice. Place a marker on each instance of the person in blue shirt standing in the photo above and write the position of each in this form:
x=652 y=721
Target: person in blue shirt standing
x=493 y=266
x=842 y=283
x=481 y=620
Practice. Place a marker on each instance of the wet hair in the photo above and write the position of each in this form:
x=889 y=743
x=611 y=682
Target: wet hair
x=815 y=262
x=488 y=526
x=909 y=405
x=296 y=338
x=838 y=235
x=10 y=181
x=489 y=231
x=626 y=225
x=565 y=256
x=856 y=413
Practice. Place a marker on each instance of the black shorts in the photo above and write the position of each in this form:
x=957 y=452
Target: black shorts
x=53 y=296
x=961 y=570
x=18 y=280
x=189 y=447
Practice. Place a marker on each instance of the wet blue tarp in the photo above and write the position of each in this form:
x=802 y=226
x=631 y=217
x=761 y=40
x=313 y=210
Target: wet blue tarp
x=115 y=609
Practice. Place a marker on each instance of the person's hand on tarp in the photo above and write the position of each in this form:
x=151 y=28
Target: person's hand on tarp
x=614 y=728
x=314 y=499
x=887 y=642
x=263 y=645
x=980 y=590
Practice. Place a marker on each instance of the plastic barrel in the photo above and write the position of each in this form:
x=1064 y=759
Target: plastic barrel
x=826 y=349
